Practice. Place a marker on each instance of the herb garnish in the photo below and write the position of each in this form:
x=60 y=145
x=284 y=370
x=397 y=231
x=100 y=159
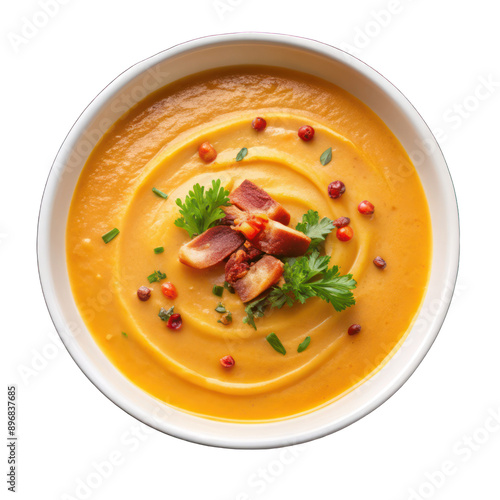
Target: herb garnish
x=326 y=157
x=159 y=193
x=164 y=314
x=110 y=235
x=229 y=287
x=124 y=334
x=201 y=210
x=315 y=228
x=306 y=277
x=218 y=290
x=309 y=276
x=220 y=308
x=242 y=153
x=303 y=345
x=226 y=319
x=157 y=276
x=257 y=309
x=276 y=344
x=158 y=250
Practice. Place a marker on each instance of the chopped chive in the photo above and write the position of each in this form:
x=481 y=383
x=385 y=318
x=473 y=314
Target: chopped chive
x=159 y=193
x=220 y=308
x=242 y=153
x=228 y=287
x=303 y=345
x=156 y=276
x=110 y=235
x=158 y=250
x=276 y=344
x=218 y=290
x=164 y=314
x=124 y=334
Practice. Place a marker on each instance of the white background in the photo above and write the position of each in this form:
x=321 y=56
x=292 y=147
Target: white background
x=439 y=54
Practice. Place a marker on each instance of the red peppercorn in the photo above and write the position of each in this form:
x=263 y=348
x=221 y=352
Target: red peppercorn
x=341 y=222
x=227 y=361
x=144 y=293
x=207 y=152
x=345 y=233
x=336 y=189
x=259 y=123
x=366 y=208
x=168 y=289
x=306 y=132
x=380 y=262
x=353 y=329
x=174 y=322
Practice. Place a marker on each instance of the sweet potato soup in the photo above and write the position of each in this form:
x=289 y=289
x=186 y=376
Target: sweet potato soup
x=204 y=233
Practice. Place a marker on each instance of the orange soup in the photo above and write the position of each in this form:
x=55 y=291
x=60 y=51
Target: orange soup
x=155 y=145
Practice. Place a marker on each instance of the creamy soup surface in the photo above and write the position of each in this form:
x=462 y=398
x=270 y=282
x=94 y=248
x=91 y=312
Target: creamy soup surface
x=156 y=145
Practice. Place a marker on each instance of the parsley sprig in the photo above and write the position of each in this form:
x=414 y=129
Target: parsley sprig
x=306 y=277
x=315 y=228
x=309 y=276
x=201 y=210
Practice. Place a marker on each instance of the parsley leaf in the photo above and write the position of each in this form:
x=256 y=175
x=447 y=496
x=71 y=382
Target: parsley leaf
x=157 y=276
x=201 y=210
x=255 y=309
x=306 y=277
x=315 y=228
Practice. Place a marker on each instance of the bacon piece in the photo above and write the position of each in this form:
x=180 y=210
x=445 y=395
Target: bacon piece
x=237 y=266
x=261 y=275
x=253 y=253
x=251 y=198
x=210 y=247
x=239 y=262
x=277 y=239
x=250 y=224
x=232 y=213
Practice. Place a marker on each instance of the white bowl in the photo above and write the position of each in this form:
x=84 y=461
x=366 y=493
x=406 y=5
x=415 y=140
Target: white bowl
x=304 y=55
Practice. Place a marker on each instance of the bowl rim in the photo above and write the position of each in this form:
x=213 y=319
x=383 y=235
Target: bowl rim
x=50 y=189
